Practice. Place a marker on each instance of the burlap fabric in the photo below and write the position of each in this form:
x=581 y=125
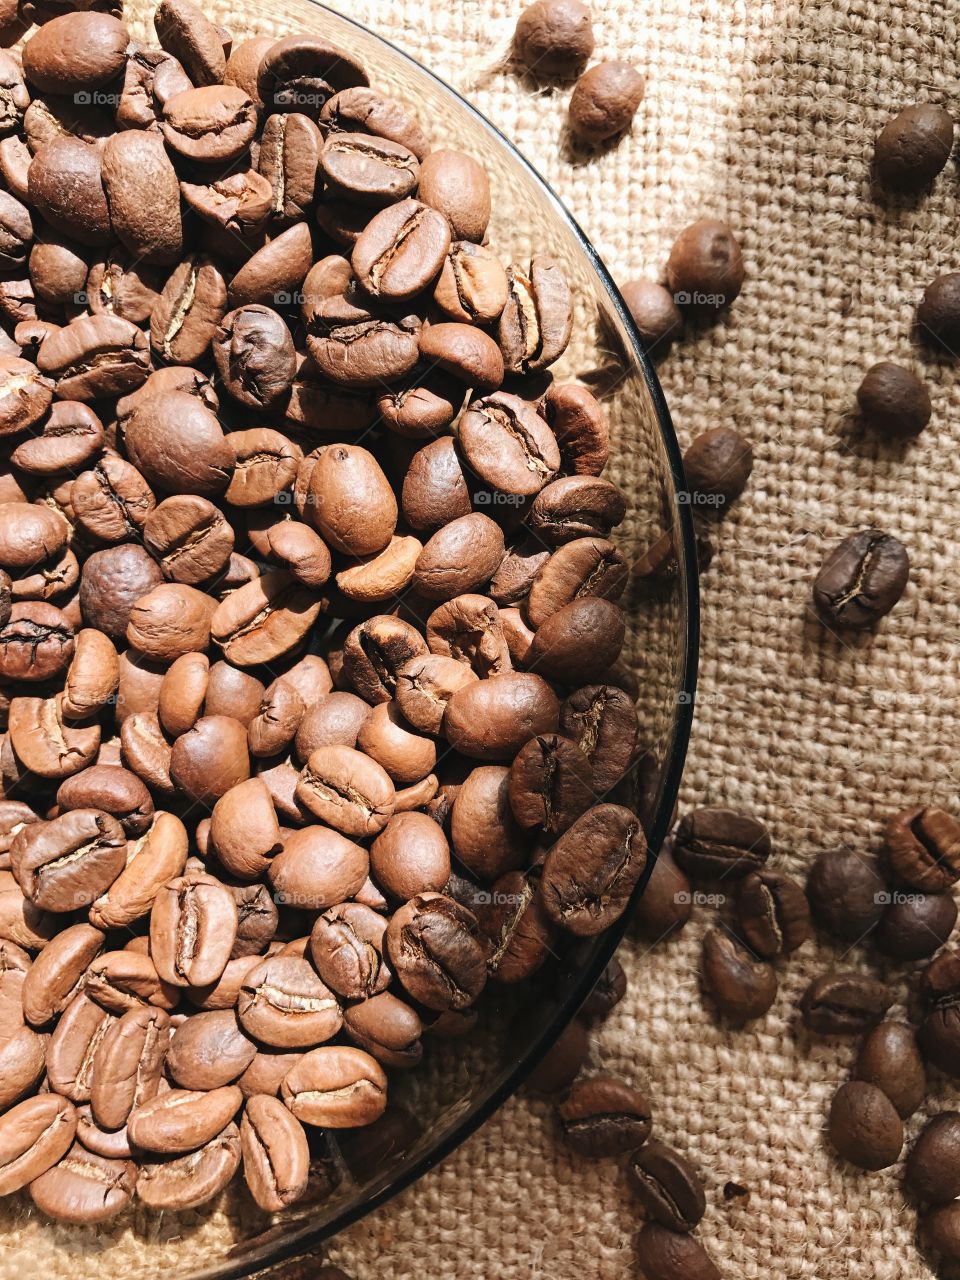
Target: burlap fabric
x=762 y=113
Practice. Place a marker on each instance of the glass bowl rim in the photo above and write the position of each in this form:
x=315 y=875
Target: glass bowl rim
x=302 y=1240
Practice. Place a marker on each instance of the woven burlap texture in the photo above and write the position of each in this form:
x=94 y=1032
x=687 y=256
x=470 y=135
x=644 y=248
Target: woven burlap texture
x=763 y=114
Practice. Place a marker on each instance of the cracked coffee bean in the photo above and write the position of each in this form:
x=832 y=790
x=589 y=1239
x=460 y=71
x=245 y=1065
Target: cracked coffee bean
x=861 y=580
x=667 y=1186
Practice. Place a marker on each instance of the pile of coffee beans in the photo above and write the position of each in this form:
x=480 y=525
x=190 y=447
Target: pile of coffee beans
x=313 y=716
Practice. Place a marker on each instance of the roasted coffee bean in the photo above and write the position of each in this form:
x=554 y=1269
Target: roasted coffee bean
x=192 y=39
x=582 y=568
x=128 y=1066
x=922 y=848
x=435 y=489
x=36 y=643
x=581 y=641
x=425 y=685
x=742 y=986
x=604 y=1116
x=190 y=537
x=387 y=1029
x=244 y=832
x=672 y=1255
x=457 y=186
x=72 y=1048
x=368 y=169
x=34 y=1135
x=537 y=320
x=433 y=949
x=471 y=356
x=318 y=868
x=773 y=915
x=847 y=893
x=57 y=973
x=213 y=124
x=171 y=620
x=239 y=203
x=353 y=506
x=609 y=990
x=209 y=1050
x=289 y=160
x=667 y=1186
x=940 y=1231
x=602 y=721
x=84 y=1188
x=492 y=719
x=191 y=1180
x=334 y=720
x=68 y=862
x=92 y=677
x=336 y=1087
x=25 y=394
x=265 y=464
x=605 y=100
x=486 y=838
x=302 y=72
x=193 y=924
x=554 y=38
x=932 y=1171
x=717 y=466
x=283 y=1002
x=188 y=311
x=264 y=620
x=584 y=895
x=468 y=629
x=559 y=1067
x=472 y=287
x=576 y=507
x=653 y=310
x=424 y=407
x=346 y=944
x=890 y=1059
x=123 y=980
x=940 y=1028
x=839 y=1004
x=210 y=758
x=72 y=436
x=402 y=248
x=364 y=110
x=276 y=271
x=75 y=52
x=551 y=784
x=29 y=532
x=146 y=751
x=254 y=354
x=893 y=400
x=915 y=925
x=347 y=790
x=861 y=580
x=713 y=843
x=112 y=501
x=182 y=1120
x=508 y=444
x=95 y=357
x=512 y=917
x=705 y=266
x=111 y=789
x=913 y=147
x=938 y=315
x=276 y=1157
x=864 y=1126
x=460 y=557
x=356 y=346
x=134 y=162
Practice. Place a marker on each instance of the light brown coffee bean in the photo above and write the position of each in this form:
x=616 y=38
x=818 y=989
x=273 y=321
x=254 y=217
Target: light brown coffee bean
x=183 y=1120
x=336 y=1087
x=193 y=924
x=276 y=1157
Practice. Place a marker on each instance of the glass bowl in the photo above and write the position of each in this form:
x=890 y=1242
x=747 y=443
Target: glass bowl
x=464 y=1080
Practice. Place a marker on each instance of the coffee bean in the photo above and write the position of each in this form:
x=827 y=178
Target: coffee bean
x=188 y=311
x=940 y=1231
x=36 y=643
x=209 y=1050
x=213 y=124
x=922 y=848
x=604 y=1116
x=559 y=1067
x=713 y=843
x=337 y=1087
x=667 y=1186
x=932 y=1171
x=580 y=641
x=134 y=161
x=84 y=1188
x=609 y=990
x=191 y=1180
x=190 y=538
x=182 y=1120
x=434 y=951
x=742 y=986
x=57 y=974
x=576 y=507
x=772 y=912
x=861 y=580
x=554 y=38
x=864 y=1127
x=671 y=1255
x=938 y=315
x=889 y=1058
x=72 y=1048
x=585 y=894
x=492 y=719
x=34 y=1135
x=550 y=785
x=486 y=839
x=893 y=400
x=940 y=1028
x=347 y=949
x=847 y=893
x=303 y=72
x=913 y=147
x=537 y=320
x=605 y=100
x=128 y=1065
x=658 y=319
x=507 y=444
x=717 y=466
x=456 y=185
x=915 y=925
x=68 y=862
x=410 y=856
x=276 y=1157
x=25 y=394
x=123 y=980
x=318 y=868
x=361 y=109
x=353 y=506
x=705 y=266
x=602 y=721
x=95 y=356
x=193 y=923
x=282 y=1002
x=192 y=39
x=839 y=1004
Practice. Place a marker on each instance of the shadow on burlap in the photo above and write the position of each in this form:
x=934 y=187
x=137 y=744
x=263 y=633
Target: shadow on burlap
x=762 y=113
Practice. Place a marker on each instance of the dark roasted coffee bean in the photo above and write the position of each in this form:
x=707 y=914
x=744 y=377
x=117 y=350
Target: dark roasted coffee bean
x=705 y=266
x=742 y=986
x=913 y=147
x=940 y=1231
x=185 y=32
x=386 y=1028
x=667 y=1186
x=299 y=73
x=772 y=913
x=559 y=1067
x=591 y=871
x=254 y=353
x=602 y=721
x=713 y=843
x=717 y=466
x=36 y=643
x=890 y=1059
x=433 y=949
x=581 y=641
x=609 y=990
x=938 y=315
x=940 y=1029
x=190 y=537
x=551 y=784
x=932 y=1172
x=672 y=1255
x=605 y=100
x=213 y=124
x=75 y=52
x=347 y=949
x=584 y=567
x=554 y=38
x=435 y=489
x=410 y=856
x=839 y=1004
x=915 y=925
x=492 y=719
x=922 y=848
x=894 y=401
x=604 y=1116
x=577 y=507
x=209 y=1050
x=535 y=325
x=861 y=580
x=864 y=1127
x=374 y=652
